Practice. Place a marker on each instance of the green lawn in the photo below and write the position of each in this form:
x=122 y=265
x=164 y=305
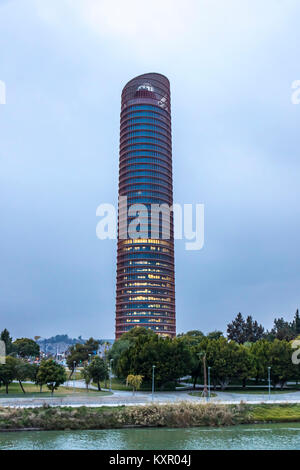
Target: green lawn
x=117 y=384
x=199 y=394
x=275 y=413
x=258 y=391
x=76 y=376
x=14 y=391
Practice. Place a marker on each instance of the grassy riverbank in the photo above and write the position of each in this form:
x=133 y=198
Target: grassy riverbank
x=33 y=391
x=172 y=415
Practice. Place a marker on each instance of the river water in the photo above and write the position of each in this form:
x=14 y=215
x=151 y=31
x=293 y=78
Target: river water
x=263 y=436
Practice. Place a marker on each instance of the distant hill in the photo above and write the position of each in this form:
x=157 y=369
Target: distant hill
x=59 y=344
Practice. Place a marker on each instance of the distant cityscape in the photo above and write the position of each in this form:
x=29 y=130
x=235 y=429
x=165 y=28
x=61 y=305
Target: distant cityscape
x=57 y=346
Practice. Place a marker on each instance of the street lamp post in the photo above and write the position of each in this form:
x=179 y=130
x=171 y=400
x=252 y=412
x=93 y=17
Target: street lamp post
x=269 y=380
x=203 y=355
x=153 y=368
x=209 y=382
x=110 y=367
x=74 y=372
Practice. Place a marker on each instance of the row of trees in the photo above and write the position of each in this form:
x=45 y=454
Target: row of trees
x=48 y=373
x=243 y=331
x=138 y=350
x=241 y=362
x=22 y=347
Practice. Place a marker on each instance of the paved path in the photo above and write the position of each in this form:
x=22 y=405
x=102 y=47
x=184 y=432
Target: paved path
x=119 y=398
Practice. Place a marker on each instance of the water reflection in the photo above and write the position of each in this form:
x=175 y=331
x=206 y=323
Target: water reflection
x=275 y=436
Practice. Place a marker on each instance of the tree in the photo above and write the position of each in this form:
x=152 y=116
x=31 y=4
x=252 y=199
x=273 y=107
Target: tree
x=282 y=330
x=282 y=367
x=216 y=334
x=245 y=366
x=117 y=349
x=296 y=323
x=196 y=345
x=79 y=353
x=197 y=334
x=125 y=342
x=24 y=371
x=98 y=370
x=253 y=331
x=228 y=360
x=242 y=331
x=51 y=374
x=136 y=333
x=236 y=329
x=16 y=369
x=86 y=375
x=92 y=346
x=5 y=336
x=8 y=371
x=171 y=357
x=26 y=347
x=258 y=332
x=39 y=379
x=261 y=353
x=278 y=356
x=135 y=381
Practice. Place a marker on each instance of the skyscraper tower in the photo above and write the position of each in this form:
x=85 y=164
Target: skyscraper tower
x=145 y=264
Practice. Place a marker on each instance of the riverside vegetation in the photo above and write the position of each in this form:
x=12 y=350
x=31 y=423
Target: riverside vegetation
x=154 y=415
x=246 y=356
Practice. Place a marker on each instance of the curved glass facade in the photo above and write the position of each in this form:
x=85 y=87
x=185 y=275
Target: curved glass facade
x=145 y=265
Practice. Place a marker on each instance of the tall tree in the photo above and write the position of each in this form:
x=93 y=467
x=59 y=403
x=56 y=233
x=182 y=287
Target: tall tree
x=24 y=371
x=296 y=323
x=282 y=330
x=5 y=336
x=253 y=331
x=8 y=371
x=245 y=367
x=261 y=353
x=236 y=329
x=77 y=354
x=196 y=344
x=98 y=370
x=248 y=329
x=125 y=342
x=258 y=332
x=282 y=367
x=172 y=359
x=242 y=331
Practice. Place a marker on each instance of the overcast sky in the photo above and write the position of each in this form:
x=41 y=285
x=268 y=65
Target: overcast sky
x=231 y=64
